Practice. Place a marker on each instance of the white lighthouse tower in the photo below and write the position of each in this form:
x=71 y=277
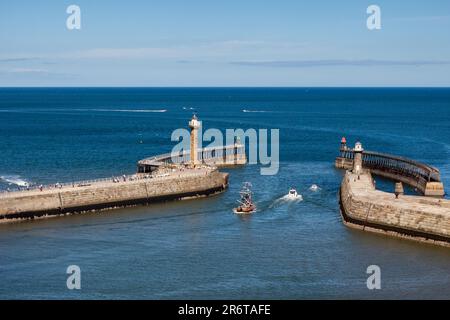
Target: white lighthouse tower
x=357 y=160
x=194 y=124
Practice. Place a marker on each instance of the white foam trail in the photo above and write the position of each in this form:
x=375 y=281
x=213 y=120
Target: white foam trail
x=255 y=111
x=285 y=200
x=130 y=110
x=15 y=179
x=83 y=110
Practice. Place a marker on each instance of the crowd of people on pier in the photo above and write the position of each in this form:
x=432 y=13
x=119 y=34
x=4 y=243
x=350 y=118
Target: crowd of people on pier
x=161 y=172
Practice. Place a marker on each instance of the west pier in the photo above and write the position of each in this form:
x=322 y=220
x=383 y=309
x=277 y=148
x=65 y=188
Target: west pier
x=189 y=174
x=423 y=217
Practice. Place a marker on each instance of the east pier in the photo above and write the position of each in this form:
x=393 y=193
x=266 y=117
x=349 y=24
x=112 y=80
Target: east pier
x=424 y=218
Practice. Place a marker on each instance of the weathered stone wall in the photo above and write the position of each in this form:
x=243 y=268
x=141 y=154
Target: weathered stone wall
x=343 y=163
x=424 y=219
x=45 y=202
x=29 y=204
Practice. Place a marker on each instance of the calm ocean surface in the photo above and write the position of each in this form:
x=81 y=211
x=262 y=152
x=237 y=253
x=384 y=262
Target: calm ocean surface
x=199 y=248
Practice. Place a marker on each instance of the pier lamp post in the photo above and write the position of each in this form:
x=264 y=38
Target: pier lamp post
x=398 y=189
x=343 y=144
x=194 y=124
x=343 y=148
x=357 y=160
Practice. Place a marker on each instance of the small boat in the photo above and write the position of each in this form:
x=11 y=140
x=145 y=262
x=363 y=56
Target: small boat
x=292 y=194
x=246 y=205
x=314 y=187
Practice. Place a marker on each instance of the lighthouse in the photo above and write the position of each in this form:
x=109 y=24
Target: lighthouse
x=194 y=124
x=357 y=160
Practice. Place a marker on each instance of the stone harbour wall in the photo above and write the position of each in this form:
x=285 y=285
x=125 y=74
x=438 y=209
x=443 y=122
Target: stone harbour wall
x=32 y=204
x=415 y=217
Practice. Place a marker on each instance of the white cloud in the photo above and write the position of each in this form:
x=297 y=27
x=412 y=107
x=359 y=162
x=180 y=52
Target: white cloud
x=421 y=18
x=339 y=62
x=217 y=51
x=188 y=51
x=28 y=70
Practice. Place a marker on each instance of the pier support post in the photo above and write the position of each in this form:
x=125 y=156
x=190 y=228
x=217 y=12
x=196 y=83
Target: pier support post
x=398 y=189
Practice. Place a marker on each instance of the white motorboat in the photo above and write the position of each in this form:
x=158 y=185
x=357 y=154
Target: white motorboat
x=292 y=194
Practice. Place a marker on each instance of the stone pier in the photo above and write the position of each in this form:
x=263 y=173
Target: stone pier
x=414 y=217
x=191 y=173
x=420 y=218
x=112 y=193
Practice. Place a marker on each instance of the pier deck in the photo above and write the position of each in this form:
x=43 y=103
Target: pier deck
x=163 y=175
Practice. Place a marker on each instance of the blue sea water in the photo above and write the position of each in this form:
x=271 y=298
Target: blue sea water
x=198 y=248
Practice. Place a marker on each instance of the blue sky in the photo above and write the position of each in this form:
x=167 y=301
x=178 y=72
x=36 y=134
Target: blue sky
x=224 y=43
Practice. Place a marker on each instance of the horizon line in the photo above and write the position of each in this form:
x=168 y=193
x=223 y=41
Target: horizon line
x=225 y=87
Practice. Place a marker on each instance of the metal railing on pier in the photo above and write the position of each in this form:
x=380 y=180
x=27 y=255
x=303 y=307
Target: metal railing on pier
x=158 y=176
x=219 y=154
x=420 y=172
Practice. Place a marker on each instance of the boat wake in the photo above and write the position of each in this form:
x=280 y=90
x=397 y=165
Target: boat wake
x=15 y=180
x=129 y=110
x=286 y=199
x=255 y=111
